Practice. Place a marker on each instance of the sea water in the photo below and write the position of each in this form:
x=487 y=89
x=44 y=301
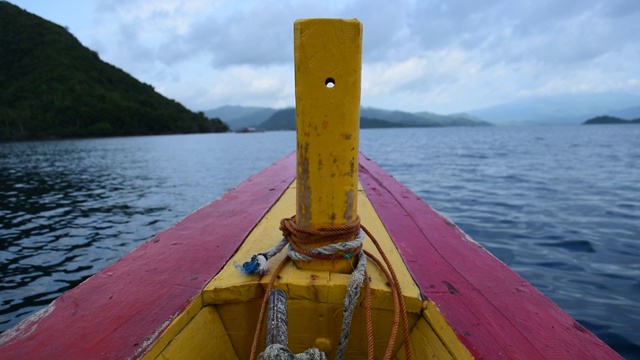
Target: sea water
x=558 y=204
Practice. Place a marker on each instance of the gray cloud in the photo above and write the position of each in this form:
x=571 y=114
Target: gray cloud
x=256 y=35
x=455 y=54
x=261 y=33
x=543 y=30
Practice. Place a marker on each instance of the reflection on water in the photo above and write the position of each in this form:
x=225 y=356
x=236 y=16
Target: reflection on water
x=560 y=205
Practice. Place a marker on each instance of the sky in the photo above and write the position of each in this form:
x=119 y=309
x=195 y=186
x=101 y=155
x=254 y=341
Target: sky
x=418 y=55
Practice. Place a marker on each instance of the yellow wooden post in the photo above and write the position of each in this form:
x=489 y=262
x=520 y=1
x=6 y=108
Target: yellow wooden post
x=328 y=58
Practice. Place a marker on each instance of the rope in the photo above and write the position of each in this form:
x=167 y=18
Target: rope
x=353 y=292
x=301 y=241
x=405 y=321
x=279 y=352
x=299 y=238
x=396 y=306
x=256 y=336
x=369 y=320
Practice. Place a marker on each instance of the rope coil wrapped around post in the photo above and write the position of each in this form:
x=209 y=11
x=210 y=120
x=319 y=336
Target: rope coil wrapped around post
x=300 y=237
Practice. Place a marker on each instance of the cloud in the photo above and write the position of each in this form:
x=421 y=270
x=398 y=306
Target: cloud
x=256 y=36
x=432 y=55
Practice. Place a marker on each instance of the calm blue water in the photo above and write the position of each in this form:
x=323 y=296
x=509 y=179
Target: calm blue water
x=559 y=204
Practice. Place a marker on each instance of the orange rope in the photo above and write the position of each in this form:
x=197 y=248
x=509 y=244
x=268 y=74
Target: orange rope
x=306 y=235
x=367 y=306
x=300 y=237
x=405 y=322
x=396 y=305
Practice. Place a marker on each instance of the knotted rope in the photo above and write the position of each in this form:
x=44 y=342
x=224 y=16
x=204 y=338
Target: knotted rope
x=301 y=240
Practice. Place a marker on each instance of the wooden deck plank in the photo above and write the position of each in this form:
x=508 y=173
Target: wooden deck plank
x=203 y=336
x=119 y=312
x=493 y=311
x=425 y=344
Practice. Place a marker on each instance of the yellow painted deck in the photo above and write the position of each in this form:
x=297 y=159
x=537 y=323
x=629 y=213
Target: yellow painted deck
x=221 y=323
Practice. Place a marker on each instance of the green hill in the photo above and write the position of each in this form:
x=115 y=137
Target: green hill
x=285 y=119
x=402 y=118
x=51 y=86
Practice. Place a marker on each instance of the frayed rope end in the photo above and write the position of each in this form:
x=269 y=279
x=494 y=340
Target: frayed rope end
x=257 y=265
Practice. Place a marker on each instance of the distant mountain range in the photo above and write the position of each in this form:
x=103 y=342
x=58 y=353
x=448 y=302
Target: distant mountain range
x=562 y=109
x=239 y=117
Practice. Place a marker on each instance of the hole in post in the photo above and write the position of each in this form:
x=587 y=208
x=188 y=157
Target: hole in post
x=330 y=83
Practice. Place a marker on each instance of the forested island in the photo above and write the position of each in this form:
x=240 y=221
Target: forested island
x=599 y=120
x=51 y=86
